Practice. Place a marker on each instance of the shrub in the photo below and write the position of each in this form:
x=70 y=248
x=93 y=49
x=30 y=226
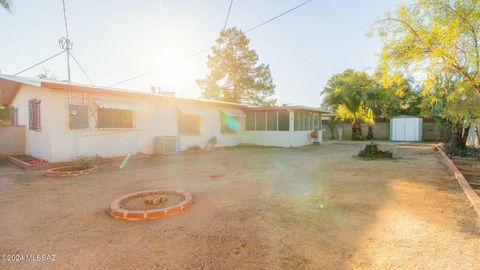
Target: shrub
x=194 y=148
x=84 y=162
x=371 y=151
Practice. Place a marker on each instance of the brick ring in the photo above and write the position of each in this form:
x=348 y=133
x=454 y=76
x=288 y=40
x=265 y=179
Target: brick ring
x=117 y=210
x=64 y=171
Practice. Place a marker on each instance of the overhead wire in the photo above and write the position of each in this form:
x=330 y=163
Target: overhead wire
x=228 y=15
x=39 y=63
x=81 y=68
x=206 y=50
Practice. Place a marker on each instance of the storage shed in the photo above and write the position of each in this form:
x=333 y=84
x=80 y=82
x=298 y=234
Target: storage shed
x=406 y=128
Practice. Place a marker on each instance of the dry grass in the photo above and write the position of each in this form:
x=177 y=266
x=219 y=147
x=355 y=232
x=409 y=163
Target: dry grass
x=254 y=208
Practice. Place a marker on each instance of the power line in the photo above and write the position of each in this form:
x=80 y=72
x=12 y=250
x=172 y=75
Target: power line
x=81 y=68
x=39 y=63
x=206 y=50
x=278 y=16
x=228 y=15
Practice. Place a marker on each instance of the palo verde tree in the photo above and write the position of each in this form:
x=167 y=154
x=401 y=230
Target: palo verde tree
x=432 y=37
x=235 y=74
x=435 y=38
x=455 y=101
x=351 y=94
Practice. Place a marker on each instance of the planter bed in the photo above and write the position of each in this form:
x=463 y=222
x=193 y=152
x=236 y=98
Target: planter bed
x=472 y=194
x=26 y=161
x=69 y=171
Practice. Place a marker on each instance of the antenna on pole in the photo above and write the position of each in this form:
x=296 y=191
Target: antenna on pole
x=65 y=43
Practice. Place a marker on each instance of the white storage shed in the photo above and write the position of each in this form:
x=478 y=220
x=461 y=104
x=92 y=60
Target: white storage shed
x=406 y=128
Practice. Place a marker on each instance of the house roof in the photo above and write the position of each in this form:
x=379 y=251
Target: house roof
x=289 y=108
x=10 y=85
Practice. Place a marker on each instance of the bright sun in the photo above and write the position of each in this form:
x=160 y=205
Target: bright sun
x=174 y=70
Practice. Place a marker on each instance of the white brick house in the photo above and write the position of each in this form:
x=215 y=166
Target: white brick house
x=66 y=120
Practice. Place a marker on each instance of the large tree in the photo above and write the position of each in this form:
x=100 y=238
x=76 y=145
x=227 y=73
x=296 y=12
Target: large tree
x=430 y=37
x=352 y=95
x=438 y=41
x=235 y=74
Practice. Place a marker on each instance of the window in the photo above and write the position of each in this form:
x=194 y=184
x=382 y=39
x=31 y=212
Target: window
x=272 y=121
x=34 y=118
x=115 y=118
x=189 y=124
x=229 y=123
x=13 y=116
x=260 y=119
x=250 y=121
x=283 y=121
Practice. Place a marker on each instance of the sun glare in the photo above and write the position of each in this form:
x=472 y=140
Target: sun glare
x=174 y=70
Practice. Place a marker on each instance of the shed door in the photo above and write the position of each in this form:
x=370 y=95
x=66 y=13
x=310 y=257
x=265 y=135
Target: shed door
x=410 y=129
x=399 y=129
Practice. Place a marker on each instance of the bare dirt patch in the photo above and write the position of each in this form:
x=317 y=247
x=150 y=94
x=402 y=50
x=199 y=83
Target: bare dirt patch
x=271 y=208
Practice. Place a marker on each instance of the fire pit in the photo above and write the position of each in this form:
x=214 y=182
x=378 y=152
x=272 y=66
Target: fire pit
x=70 y=171
x=150 y=204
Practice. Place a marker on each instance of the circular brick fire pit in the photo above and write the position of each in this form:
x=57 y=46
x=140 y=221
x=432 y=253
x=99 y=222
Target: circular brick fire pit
x=150 y=204
x=69 y=171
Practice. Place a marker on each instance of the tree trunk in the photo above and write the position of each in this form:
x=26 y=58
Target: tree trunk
x=455 y=135
x=356 y=130
x=464 y=137
x=370 y=132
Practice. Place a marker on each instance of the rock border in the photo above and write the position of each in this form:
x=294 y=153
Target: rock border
x=55 y=173
x=118 y=212
x=464 y=185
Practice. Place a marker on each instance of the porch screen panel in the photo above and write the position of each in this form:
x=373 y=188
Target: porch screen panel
x=296 y=121
x=308 y=121
x=260 y=118
x=283 y=121
x=250 y=121
x=272 y=121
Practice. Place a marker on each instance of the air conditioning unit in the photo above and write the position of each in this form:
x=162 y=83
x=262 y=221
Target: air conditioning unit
x=165 y=145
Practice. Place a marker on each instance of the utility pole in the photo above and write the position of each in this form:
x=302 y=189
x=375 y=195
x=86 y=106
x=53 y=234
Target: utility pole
x=65 y=42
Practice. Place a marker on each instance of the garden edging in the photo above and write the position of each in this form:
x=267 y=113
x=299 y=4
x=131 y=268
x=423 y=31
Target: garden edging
x=464 y=185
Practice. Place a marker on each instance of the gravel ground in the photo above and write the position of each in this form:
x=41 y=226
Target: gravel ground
x=254 y=208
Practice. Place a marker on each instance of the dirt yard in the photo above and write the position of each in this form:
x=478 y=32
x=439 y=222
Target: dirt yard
x=254 y=208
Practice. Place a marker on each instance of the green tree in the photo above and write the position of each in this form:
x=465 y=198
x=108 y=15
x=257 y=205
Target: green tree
x=431 y=37
x=235 y=74
x=453 y=100
x=438 y=40
x=6 y=4
x=351 y=94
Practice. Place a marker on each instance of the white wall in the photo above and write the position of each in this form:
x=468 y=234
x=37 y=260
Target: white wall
x=267 y=138
x=154 y=120
x=38 y=142
x=210 y=126
x=56 y=142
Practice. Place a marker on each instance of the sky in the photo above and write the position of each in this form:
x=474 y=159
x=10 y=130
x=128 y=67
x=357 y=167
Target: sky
x=114 y=40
